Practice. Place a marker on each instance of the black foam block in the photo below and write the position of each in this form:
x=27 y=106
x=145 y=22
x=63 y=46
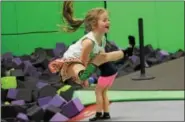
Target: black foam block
x=152 y=61
x=30 y=78
x=49 y=77
x=24 y=94
x=49 y=52
x=111 y=46
x=50 y=111
x=3 y=71
x=35 y=73
x=3 y=120
x=74 y=85
x=3 y=94
x=11 y=111
x=148 y=49
x=7 y=55
x=127 y=64
x=18 y=73
x=35 y=113
x=8 y=64
x=178 y=54
x=58 y=85
x=35 y=95
x=25 y=57
x=38 y=57
x=20 y=84
x=10 y=119
x=29 y=69
x=54 y=78
x=31 y=104
x=68 y=95
x=47 y=91
x=30 y=85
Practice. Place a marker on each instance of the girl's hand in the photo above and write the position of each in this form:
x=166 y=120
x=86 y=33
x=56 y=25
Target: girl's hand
x=85 y=84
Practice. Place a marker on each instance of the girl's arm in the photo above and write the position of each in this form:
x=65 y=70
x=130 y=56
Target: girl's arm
x=87 y=47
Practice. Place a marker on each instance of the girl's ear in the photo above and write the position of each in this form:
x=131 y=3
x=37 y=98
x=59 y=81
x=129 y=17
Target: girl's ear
x=94 y=25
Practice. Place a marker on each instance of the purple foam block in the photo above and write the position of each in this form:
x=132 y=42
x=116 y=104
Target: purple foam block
x=45 y=106
x=18 y=102
x=164 y=52
x=44 y=100
x=58 y=52
x=27 y=66
x=60 y=45
x=39 y=85
x=134 y=58
x=57 y=101
x=12 y=93
x=34 y=73
x=17 y=61
x=22 y=116
x=27 y=63
x=58 y=117
x=72 y=108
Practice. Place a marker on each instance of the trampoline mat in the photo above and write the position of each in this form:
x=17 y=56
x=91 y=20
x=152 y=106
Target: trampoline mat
x=147 y=111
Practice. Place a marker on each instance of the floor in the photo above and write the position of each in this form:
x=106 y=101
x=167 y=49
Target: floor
x=146 y=111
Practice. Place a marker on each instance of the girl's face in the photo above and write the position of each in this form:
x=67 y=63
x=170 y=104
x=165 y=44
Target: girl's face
x=103 y=23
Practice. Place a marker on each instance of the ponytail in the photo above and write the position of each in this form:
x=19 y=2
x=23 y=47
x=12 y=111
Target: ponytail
x=72 y=23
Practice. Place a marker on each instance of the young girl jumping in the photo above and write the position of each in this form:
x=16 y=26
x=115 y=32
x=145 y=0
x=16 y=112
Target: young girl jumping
x=81 y=59
x=108 y=73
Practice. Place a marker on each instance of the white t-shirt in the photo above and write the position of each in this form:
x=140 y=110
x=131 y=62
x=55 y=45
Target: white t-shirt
x=75 y=50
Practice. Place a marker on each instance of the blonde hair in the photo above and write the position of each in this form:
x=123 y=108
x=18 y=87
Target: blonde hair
x=89 y=21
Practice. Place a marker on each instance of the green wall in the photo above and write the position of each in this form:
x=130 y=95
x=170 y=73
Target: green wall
x=20 y=17
x=163 y=23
